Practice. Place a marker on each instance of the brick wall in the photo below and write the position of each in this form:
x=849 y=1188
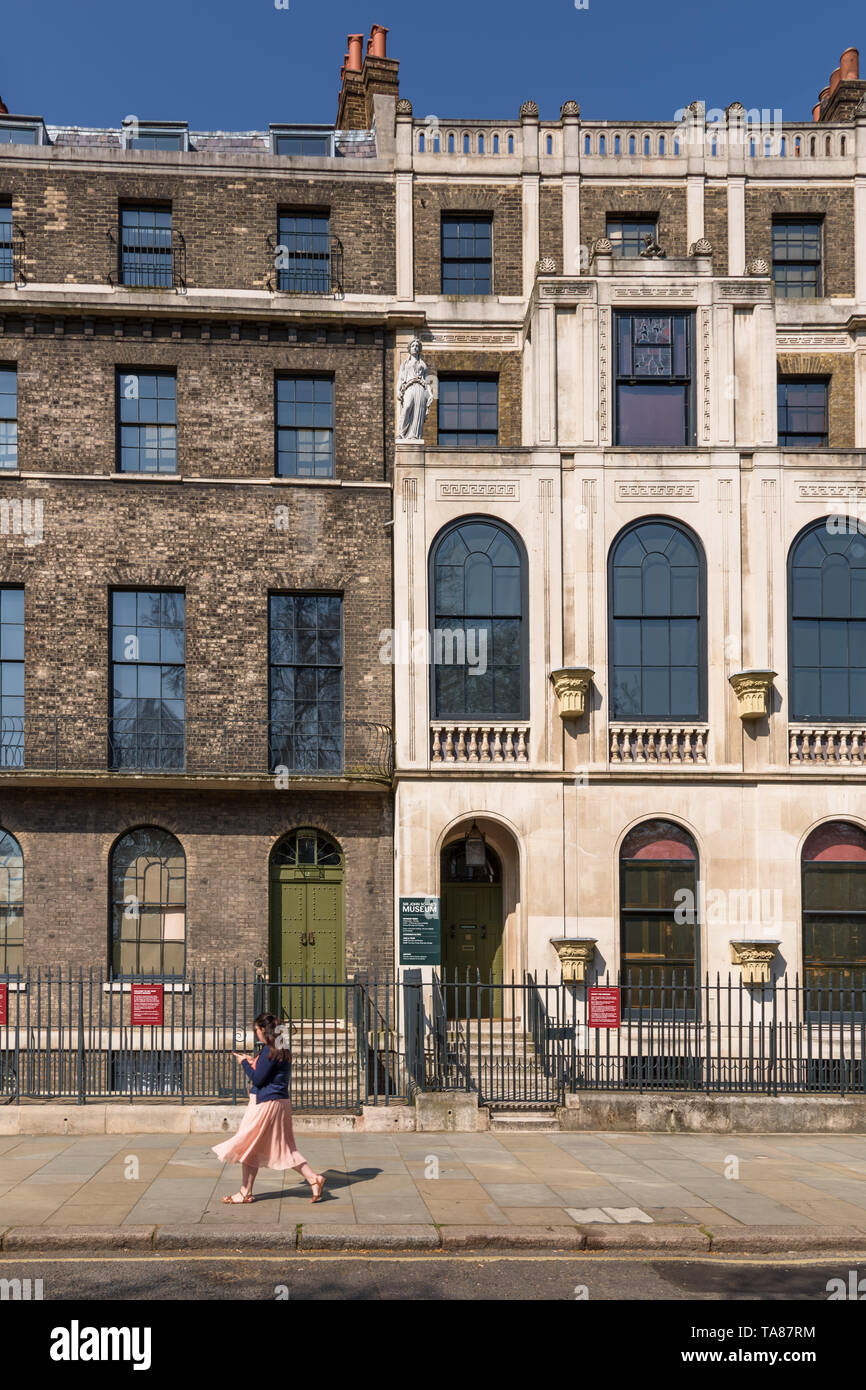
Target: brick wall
x=624 y=199
x=716 y=227
x=226 y=221
x=502 y=201
x=550 y=224
x=834 y=205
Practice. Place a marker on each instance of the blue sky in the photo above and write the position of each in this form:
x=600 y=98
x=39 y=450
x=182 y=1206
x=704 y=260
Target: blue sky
x=240 y=64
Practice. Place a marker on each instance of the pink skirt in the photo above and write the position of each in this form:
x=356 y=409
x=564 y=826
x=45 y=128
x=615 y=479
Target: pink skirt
x=265 y=1138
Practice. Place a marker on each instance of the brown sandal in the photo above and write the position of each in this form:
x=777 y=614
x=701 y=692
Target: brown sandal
x=318 y=1187
x=237 y=1199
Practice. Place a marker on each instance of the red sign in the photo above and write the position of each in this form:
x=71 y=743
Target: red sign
x=4 y=997
x=147 y=1004
x=603 y=1006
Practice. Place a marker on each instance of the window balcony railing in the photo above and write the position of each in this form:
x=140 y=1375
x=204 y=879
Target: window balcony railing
x=296 y=271
x=465 y=742
x=659 y=745
x=11 y=254
x=141 y=262
x=194 y=747
x=813 y=745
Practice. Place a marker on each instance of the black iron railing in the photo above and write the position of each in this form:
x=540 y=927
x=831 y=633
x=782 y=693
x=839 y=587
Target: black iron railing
x=147 y=258
x=164 y=745
x=296 y=268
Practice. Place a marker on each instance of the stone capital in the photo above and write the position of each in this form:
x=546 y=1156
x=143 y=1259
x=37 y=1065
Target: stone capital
x=575 y=953
x=752 y=689
x=570 y=685
x=755 y=959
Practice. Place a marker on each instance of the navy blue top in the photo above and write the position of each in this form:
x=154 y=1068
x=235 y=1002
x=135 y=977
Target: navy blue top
x=270 y=1078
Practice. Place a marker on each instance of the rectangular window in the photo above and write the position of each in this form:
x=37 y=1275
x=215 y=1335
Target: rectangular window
x=654 y=357
x=305 y=427
x=8 y=417
x=145 y=247
x=468 y=412
x=14 y=133
x=802 y=414
x=154 y=137
x=626 y=234
x=11 y=677
x=7 y=262
x=797 y=258
x=467 y=255
x=148 y=681
x=304 y=143
x=304 y=253
x=147 y=422
x=306 y=682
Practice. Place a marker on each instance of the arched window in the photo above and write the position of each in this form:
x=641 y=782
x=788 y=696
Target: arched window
x=11 y=905
x=658 y=916
x=657 y=632
x=148 y=894
x=834 y=910
x=827 y=588
x=307 y=847
x=477 y=622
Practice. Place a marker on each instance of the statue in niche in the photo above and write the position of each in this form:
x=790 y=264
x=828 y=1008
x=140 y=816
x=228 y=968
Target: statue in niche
x=414 y=394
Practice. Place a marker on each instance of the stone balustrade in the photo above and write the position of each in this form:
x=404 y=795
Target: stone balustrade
x=452 y=744
x=812 y=745
x=660 y=745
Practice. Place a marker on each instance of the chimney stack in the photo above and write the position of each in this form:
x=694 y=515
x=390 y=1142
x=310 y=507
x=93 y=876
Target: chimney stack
x=839 y=100
x=4 y=109
x=365 y=76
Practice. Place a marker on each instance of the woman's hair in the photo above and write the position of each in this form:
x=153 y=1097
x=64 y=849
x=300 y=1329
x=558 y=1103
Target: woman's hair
x=270 y=1026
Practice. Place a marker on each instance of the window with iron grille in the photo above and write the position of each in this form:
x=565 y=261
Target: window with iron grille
x=305 y=427
x=304 y=253
x=147 y=422
x=827 y=641
x=148 y=892
x=145 y=247
x=7 y=260
x=8 y=417
x=626 y=234
x=11 y=905
x=11 y=677
x=468 y=412
x=797 y=258
x=654 y=404
x=467 y=255
x=658 y=917
x=802 y=413
x=306 y=682
x=148 y=680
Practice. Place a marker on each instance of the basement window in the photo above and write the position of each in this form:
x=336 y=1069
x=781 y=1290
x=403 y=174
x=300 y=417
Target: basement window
x=310 y=141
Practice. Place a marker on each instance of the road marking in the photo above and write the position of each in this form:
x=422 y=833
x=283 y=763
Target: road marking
x=596 y=1256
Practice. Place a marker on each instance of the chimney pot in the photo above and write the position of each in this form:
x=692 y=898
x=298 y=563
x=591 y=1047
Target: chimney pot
x=378 y=41
x=849 y=65
x=834 y=80
x=353 y=57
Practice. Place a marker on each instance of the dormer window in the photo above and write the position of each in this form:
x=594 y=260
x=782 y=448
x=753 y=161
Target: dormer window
x=22 y=130
x=154 y=135
x=311 y=141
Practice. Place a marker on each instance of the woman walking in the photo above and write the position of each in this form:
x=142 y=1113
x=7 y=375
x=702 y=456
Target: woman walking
x=266 y=1138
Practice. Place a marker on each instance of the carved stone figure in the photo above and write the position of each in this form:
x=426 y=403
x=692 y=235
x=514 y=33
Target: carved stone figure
x=651 y=248
x=413 y=393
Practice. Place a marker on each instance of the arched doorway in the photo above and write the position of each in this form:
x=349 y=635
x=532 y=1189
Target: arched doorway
x=472 y=925
x=307 y=916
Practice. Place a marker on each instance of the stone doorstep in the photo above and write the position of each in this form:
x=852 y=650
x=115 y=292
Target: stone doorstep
x=755 y=1240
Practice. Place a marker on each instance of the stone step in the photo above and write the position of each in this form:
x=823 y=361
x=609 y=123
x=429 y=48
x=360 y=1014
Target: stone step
x=516 y=1121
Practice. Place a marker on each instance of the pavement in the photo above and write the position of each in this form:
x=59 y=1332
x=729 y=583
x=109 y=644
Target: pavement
x=626 y=1191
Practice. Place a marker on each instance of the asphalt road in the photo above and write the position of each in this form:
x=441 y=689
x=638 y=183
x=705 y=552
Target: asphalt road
x=539 y=1278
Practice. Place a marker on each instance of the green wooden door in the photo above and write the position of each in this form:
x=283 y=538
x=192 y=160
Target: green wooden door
x=308 y=933
x=472 y=947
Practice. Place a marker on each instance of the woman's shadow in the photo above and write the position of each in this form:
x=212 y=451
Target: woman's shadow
x=333 y=1182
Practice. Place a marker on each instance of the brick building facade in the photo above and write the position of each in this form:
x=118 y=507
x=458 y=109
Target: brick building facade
x=200 y=337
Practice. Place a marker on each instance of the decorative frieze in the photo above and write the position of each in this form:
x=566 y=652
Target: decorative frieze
x=821 y=492
x=640 y=492
x=504 y=491
x=813 y=340
x=752 y=689
x=571 y=684
x=472 y=339
x=653 y=292
x=743 y=289
x=568 y=289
